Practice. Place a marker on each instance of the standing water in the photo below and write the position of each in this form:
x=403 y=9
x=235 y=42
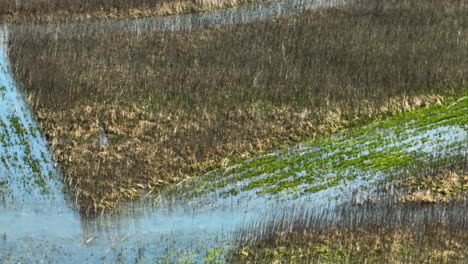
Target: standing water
x=37 y=222
x=31 y=194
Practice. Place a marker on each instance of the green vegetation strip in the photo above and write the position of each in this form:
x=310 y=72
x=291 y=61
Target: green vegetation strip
x=326 y=162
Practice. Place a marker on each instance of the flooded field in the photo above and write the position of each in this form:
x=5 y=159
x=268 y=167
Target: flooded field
x=329 y=186
x=198 y=220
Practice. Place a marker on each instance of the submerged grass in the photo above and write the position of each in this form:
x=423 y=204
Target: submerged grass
x=178 y=104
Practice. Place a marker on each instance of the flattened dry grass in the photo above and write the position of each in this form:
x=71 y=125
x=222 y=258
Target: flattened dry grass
x=75 y=10
x=176 y=104
x=444 y=186
x=149 y=149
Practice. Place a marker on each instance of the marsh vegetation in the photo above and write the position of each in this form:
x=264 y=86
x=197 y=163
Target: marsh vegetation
x=237 y=90
x=337 y=134
x=406 y=148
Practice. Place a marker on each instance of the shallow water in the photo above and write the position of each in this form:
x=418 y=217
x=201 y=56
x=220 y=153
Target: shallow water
x=37 y=220
x=32 y=192
x=423 y=145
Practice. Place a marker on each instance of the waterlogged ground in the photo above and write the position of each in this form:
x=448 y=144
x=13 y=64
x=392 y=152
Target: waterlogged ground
x=346 y=164
x=196 y=221
x=186 y=225
x=27 y=174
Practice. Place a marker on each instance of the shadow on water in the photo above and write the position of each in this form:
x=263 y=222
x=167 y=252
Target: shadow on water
x=37 y=222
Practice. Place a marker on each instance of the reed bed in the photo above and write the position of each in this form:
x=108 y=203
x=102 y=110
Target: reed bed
x=177 y=104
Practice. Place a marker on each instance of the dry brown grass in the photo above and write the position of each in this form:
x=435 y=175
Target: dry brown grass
x=370 y=244
x=179 y=103
x=446 y=186
x=152 y=149
x=77 y=10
